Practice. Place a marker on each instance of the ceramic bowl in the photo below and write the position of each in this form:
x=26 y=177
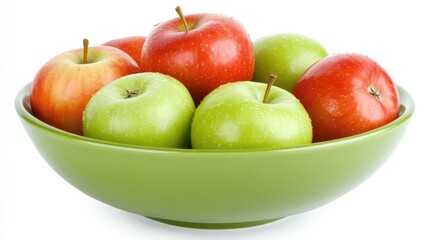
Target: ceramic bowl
x=214 y=189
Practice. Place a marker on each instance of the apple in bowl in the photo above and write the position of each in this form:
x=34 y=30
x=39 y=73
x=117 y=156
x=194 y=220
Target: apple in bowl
x=243 y=115
x=63 y=86
x=287 y=55
x=149 y=109
x=132 y=45
x=347 y=94
x=203 y=51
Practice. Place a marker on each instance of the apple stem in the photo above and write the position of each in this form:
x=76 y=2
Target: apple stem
x=374 y=92
x=179 y=11
x=85 y=51
x=270 y=83
x=131 y=94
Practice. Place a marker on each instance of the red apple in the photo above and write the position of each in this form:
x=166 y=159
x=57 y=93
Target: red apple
x=203 y=51
x=131 y=45
x=63 y=86
x=347 y=94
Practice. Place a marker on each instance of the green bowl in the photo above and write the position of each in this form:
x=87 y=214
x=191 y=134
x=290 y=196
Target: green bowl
x=214 y=188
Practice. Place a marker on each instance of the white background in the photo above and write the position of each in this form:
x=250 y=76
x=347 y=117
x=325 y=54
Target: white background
x=36 y=203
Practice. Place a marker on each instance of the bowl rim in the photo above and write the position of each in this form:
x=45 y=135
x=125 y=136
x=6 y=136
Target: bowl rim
x=22 y=105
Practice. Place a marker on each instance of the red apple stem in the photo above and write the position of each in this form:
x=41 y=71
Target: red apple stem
x=179 y=11
x=85 y=51
x=270 y=83
x=374 y=92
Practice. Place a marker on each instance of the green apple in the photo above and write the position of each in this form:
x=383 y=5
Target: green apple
x=236 y=116
x=149 y=109
x=287 y=55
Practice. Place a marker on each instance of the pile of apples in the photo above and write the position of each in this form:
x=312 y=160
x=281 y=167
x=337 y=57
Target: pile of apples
x=198 y=81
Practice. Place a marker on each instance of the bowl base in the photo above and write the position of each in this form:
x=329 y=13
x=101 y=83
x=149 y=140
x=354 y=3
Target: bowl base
x=214 y=225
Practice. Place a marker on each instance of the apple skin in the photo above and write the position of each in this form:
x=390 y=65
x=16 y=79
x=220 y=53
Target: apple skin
x=286 y=55
x=233 y=116
x=339 y=93
x=216 y=50
x=63 y=86
x=131 y=45
x=148 y=109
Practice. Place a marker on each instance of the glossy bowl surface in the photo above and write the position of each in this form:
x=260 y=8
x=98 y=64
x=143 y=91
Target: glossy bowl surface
x=214 y=189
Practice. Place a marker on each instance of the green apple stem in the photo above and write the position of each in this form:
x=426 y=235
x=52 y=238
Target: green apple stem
x=85 y=51
x=179 y=11
x=270 y=83
x=131 y=94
